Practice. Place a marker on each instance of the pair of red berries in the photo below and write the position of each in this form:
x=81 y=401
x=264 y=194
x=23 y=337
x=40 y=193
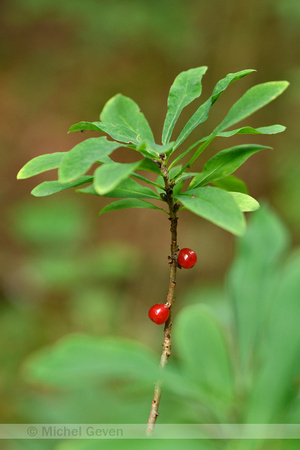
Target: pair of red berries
x=159 y=313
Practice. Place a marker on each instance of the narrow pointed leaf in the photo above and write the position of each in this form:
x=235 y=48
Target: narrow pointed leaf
x=201 y=114
x=186 y=88
x=128 y=203
x=108 y=176
x=123 y=114
x=272 y=129
x=245 y=202
x=215 y=205
x=128 y=188
x=225 y=163
x=53 y=187
x=41 y=164
x=254 y=99
x=232 y=183
x=79 y=160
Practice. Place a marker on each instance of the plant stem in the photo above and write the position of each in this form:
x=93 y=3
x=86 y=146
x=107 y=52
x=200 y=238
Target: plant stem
x=167 y=342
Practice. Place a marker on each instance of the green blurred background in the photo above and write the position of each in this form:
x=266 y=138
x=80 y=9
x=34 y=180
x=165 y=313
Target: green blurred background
x=65 y=270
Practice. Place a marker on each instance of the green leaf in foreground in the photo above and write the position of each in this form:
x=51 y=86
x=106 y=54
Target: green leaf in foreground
x=122 y=120
x=53 y=187
x=121 y=111
x=41 y=164
x=225 y=163
x=186 y=87
x=121 y=133
x=79 y=160
x=217 y=206
x=108 y=176
x=129 y=203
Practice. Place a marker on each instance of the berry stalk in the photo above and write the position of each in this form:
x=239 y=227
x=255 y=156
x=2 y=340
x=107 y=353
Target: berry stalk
x=167 y=342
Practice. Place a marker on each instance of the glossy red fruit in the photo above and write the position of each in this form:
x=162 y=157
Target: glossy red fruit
x=159 y=313
x=187 y=258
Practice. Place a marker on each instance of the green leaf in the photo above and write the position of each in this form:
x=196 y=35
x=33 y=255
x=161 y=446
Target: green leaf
x=79 y=160
x=128 y=203
x=41 y=164
x=225 y=163
x=181 y=179
x=202 y=112
x=122 y=120
x=245 y=202
x=86 y=126
x=255 y=98
x=108 y=176
x=120 y=132
x=178 y=186
x=150 y=166
x=88 y=190
x=203 y=351
x=144 y=179
x=79 y=360
x=53 y=187
x=186 y=88
x=215 y=205
x=122 y=116
x=127 y=188
x=271 y=129
x=281 y=352
x=232 y=183
x=252 y=282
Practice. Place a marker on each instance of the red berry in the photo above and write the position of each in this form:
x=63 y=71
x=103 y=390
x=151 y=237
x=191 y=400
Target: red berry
x=187 y=258
x=159 y=313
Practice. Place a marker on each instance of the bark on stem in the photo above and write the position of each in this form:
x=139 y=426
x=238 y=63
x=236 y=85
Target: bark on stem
x=167 y=342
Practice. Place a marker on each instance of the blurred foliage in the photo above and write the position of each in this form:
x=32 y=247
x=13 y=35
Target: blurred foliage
x=61 y=285
x=237 y=367
x=140 y=22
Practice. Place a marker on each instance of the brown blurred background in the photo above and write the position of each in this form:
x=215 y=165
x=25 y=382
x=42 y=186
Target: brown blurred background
x=63 y=268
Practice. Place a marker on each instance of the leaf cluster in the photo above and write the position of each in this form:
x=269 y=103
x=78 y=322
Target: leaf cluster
x=214 y=193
